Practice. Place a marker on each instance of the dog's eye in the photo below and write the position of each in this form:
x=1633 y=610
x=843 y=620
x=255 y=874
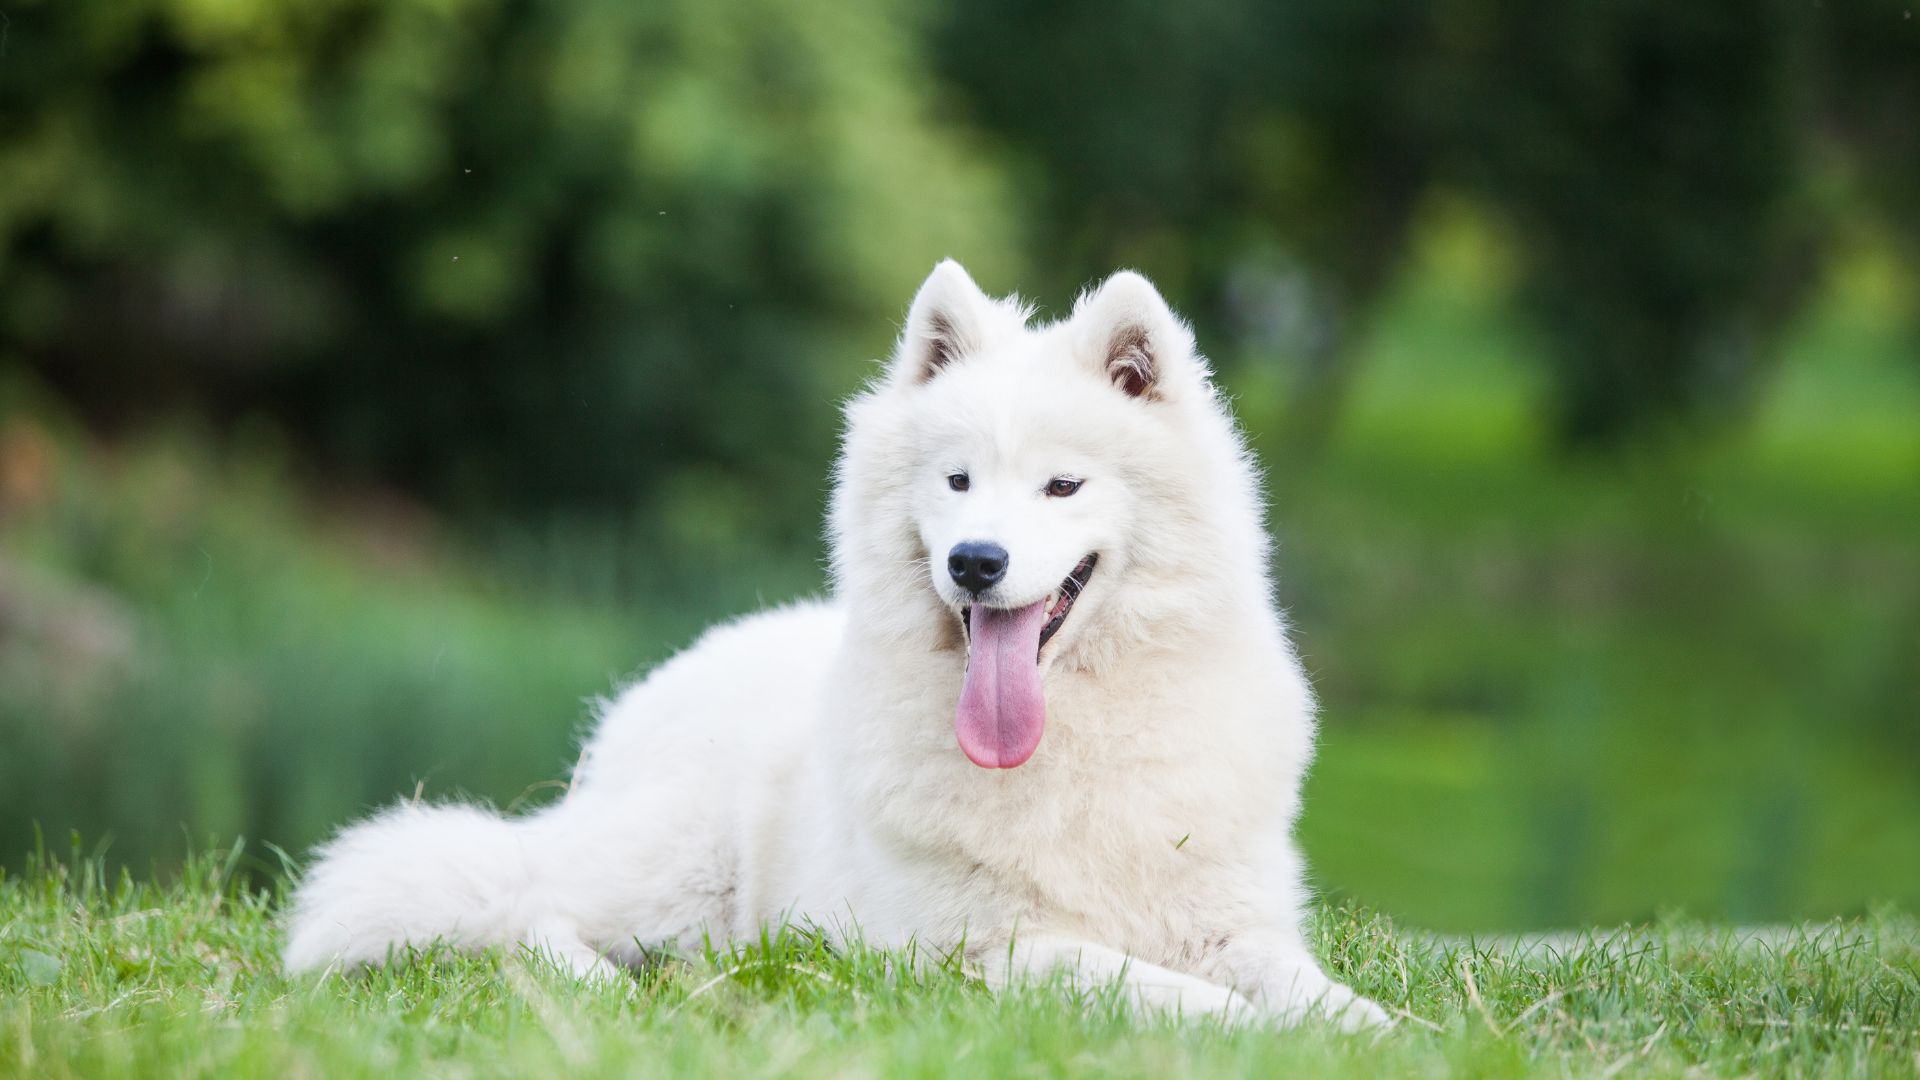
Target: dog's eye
x=959 y=482
x=1062 y=486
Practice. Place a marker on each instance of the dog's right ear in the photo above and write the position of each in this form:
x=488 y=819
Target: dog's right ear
x=950 y=318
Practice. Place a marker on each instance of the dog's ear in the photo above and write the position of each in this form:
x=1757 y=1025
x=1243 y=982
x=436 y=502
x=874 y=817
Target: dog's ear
x=949 y=319
x=1130 y=333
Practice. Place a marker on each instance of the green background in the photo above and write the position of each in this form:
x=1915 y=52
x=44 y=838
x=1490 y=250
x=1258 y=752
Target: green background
x=380 y=382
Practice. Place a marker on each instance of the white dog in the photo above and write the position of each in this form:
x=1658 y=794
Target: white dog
x=1051 y=712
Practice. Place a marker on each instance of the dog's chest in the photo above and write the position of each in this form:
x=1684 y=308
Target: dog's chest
x=1130 y=854
x=1143 y=807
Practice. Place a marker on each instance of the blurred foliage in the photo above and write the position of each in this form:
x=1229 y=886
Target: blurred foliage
x=506 y=252
x=1661 y=168
x=580 y=253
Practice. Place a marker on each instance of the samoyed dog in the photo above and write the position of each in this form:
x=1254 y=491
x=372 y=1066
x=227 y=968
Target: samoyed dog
x=1050 y=716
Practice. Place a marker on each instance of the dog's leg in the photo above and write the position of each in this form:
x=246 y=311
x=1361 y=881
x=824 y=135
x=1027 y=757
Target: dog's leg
x=1287 y=983
x=558 y=941
x=1149 y=988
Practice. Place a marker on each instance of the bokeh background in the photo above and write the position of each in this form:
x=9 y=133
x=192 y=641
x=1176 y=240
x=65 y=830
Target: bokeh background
x=382 y=380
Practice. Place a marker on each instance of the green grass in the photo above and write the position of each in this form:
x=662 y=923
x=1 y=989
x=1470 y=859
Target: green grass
x=105 y=975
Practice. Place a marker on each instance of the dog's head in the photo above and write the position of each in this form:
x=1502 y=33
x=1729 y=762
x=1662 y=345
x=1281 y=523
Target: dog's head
x=1024 y=496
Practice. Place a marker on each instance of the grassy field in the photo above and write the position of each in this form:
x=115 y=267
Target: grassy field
x=105 y=975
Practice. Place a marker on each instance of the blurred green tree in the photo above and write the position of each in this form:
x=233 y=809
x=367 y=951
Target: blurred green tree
x=1252 y=157
x=507 y=252
x=578 y=252
x=1648 y=154
x=1653 y=162
x=1868 y=78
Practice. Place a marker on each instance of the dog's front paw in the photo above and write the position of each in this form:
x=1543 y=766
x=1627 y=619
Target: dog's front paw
x=1232 y=1010
x=1321 y=1000
x=1351 y=1012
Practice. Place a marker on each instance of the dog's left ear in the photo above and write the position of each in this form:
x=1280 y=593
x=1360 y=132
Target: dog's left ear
x=1126 y=328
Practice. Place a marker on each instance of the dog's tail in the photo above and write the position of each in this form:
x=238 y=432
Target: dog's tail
x=415 y=875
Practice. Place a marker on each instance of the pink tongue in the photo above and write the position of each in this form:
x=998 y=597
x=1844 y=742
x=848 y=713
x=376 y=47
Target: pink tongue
x=1002 y=711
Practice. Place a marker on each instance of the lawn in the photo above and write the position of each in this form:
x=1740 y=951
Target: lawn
x=103 y=974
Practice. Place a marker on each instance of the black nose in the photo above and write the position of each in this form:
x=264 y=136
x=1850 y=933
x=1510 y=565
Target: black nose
x=976 y=566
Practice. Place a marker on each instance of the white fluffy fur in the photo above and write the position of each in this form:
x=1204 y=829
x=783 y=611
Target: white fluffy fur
x=801 y=764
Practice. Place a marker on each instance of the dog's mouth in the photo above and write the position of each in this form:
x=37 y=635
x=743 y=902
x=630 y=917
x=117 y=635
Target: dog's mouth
x=1003 y=710
x=1059 y=602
